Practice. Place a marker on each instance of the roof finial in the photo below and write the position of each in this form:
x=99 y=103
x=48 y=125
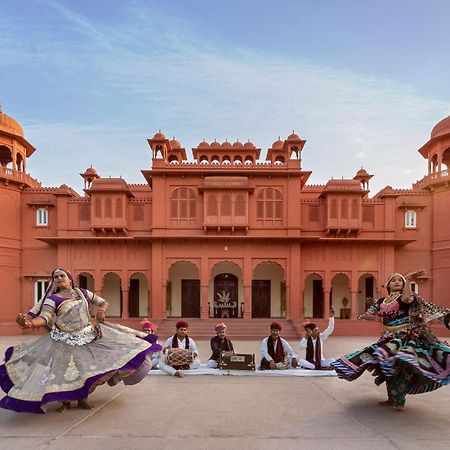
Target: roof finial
x=293 y=131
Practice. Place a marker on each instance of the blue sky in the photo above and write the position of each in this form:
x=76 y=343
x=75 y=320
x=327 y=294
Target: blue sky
x=363 y=82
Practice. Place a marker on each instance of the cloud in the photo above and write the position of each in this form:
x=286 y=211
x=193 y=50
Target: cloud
x=153 y=72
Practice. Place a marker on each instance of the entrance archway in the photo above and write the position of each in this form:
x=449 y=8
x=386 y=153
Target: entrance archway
x=226 y=295
x=268 y=291
x=313 y=297
x=183 y=290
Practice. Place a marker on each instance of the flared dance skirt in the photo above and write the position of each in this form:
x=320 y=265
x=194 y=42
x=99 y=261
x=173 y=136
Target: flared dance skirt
x=46 y=370
x=429 y=361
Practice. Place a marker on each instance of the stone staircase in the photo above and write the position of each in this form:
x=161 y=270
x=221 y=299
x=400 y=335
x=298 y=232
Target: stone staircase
x=237 y=329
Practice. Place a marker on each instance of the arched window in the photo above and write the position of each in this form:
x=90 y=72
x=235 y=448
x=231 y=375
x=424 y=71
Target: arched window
x=269 y=205
x=211 y=209
x=98 y=207
x=333 y=209
x=183 y=202
x=108 y=207
x=239 y=205
x=355 y=208
x=344 y=209
x=119 y=208
x=226 y=205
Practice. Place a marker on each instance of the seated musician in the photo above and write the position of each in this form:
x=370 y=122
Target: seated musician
x=180 y=340
x=150 y=328
x=276 y=353
x=313 y=342
x=219 y=344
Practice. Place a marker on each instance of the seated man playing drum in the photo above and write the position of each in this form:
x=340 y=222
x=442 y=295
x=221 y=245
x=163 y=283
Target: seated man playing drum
x=219 y=344
x=276 y=353
x=180 y=352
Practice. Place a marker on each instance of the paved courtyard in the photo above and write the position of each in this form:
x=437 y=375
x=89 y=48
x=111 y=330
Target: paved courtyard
x=210 y=412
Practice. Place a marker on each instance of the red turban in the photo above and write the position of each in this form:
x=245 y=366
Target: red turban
x=275 y=326
x=182 y=324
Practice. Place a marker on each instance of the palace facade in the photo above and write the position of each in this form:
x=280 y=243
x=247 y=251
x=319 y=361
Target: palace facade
x=222 y=234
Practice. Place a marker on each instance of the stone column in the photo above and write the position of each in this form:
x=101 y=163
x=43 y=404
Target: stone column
x=354 y=305
x=204 y=307
x=125 y=311
x=247 y=301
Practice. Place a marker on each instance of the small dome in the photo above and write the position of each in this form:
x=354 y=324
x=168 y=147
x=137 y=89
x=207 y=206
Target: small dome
x=441 y=128
x=9 y=125
x=159 y=135
x=203 y=144
x=175 y=144
x=90 y=171
x=293 y=137
x=226 y=144
x=249 y=145
x=362 y=172
x=214 y=144
x=238 y=144
x=278 y=144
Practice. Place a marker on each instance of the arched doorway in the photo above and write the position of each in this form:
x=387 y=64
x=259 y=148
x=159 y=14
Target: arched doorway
x=86 y=281
x=226 y=292
x=268 y=291
x=340 y=295
x=313 y=297
x=112 y=292
x=183 y=290
x=138 y=295
x=366 y=292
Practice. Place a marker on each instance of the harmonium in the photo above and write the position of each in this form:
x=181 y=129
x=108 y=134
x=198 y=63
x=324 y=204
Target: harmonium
x=237 y=361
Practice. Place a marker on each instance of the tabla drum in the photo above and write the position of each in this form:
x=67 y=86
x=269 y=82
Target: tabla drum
x=177 y=357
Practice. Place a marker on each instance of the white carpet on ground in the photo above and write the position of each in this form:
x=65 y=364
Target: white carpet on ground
x=203 y=370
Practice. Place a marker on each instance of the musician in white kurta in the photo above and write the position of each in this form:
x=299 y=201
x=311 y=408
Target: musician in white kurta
x=312 y=343
x=183 y=341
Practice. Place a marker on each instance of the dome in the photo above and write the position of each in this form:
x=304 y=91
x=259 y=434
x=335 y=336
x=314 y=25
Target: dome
x=90 y=171
x=293 y=137
x=249 y=145
x=278 y=144
x=159 y=135
x=238 y=144
x=362 y=172
x=9 y=125
x=226 y=144
x=441 y=128
x=203 y=144
x=175 y=144
x=214 y=144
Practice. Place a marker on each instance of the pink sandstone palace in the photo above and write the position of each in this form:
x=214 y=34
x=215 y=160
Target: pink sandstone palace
x=223 y=235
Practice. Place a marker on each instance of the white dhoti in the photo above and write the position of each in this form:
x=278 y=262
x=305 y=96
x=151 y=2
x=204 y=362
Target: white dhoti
x=323 y=363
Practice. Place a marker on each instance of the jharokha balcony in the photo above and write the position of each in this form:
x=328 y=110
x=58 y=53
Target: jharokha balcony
x=433 y=179
x=8 y=175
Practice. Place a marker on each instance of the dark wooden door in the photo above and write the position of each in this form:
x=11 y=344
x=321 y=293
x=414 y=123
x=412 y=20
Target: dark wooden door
x=260 y=298
x=133 y=298
x=318 y=298
x=225 y=296
x=190 y=298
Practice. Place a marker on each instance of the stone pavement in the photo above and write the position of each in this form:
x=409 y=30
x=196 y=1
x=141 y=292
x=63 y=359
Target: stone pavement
x=209 y=412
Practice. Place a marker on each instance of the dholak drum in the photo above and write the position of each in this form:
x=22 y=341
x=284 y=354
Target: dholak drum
x=179 y=358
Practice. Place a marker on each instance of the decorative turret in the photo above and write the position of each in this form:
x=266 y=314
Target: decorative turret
x=14 y=150
x=88 y=176
x=437 y=152
x=363 y=177
x=282 y=151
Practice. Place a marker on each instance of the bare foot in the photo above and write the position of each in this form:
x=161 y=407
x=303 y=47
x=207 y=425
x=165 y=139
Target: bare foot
x=388 y=402
x=179 y=374
x=83 y=404
x=64 y=407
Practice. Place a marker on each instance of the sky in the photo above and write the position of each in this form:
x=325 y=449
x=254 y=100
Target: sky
x=89 y=81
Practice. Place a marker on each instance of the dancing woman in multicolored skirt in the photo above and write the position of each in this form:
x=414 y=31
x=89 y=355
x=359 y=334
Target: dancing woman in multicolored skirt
x=408 y=357
x=68 y=363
